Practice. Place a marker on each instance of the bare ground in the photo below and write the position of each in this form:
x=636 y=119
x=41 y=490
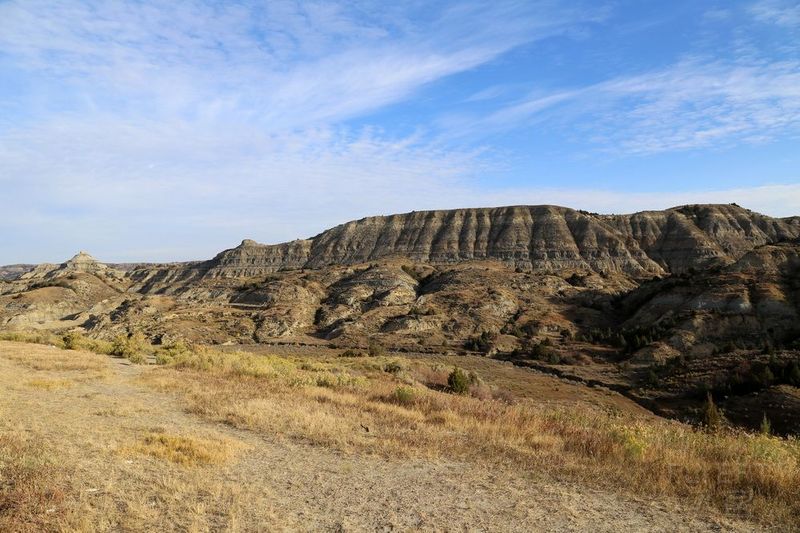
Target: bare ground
x=96 y=420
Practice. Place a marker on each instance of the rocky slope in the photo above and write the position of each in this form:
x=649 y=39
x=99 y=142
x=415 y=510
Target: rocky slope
x=82 y=262
x=535 y=238
x=659 y=305
x=12 y=272
x=60 y=296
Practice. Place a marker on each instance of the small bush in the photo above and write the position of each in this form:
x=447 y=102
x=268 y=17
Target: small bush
x=458 y=381
x=170 y=351
x=766 y=426
x=375 y=349
x=712 y=417
x=541 y=351
x=131 y=347
x=72 y=340
x=481 y=343
x=393 y=367
x=351 y=353
x=404 y=396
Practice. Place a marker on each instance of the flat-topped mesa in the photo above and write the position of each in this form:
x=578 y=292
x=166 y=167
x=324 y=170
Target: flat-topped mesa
x=251 y=259
x=550 y=238
x=539 y=238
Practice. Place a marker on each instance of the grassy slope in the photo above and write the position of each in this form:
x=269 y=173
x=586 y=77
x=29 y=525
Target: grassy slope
x=112 y=446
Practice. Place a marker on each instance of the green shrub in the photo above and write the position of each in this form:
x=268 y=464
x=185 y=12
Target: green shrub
x=132 y=347
x=393 y=367
x=481 y=343
x=72 y=340
x=766 y=426
x=458 y=381
x=170 y=351
x=541 y=351
x=712 y=417
x=404 y=395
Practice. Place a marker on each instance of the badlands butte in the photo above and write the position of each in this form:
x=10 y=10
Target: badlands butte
x=661 y=306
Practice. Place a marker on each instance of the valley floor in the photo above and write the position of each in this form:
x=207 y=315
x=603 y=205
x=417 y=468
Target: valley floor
x=117 y=454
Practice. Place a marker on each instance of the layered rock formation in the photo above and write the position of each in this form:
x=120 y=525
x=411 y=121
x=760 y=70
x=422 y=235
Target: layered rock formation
x=535 y=238
x=12 y=272
x=661 y=305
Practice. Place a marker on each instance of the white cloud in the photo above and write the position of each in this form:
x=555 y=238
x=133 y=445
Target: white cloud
x=194 y=123
x=780 y=12
x=194 y=193
x=280 y=64
x=127 y=186
x=169 y=130
x=693 y=104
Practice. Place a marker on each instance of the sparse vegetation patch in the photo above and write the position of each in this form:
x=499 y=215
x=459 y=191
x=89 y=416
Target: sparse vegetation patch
x=185 y=450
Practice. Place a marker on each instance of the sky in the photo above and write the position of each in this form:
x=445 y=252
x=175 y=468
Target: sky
x=165 y=131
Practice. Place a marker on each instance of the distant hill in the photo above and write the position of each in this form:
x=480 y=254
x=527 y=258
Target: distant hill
x=10 y=272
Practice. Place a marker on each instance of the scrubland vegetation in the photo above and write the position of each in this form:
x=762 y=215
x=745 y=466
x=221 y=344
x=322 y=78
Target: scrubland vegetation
x=31 y=481
x=405 y=408
x=409 y=408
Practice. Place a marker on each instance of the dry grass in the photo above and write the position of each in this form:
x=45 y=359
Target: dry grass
x=33 y=337
x=185 y=450
x=333 y=403
x=397 y=407
x=47 y=358
x=71 y=340
x=49 y=384
x=34 y=492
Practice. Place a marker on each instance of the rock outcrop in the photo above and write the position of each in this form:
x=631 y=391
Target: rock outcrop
x=661 y=305
x=533 y=238
x=82 y=262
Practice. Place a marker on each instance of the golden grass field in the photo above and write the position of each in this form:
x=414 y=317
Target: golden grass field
x=210 y=440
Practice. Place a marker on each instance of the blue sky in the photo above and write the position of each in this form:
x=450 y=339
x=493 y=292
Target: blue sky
x=162 y=131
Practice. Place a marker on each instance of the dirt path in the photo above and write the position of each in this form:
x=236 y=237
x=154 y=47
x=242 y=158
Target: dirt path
x=97 y=418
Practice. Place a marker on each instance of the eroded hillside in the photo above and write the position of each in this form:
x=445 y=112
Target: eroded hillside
x=662 y=306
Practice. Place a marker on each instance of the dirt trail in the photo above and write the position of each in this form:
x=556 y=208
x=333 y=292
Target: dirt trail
x=273 y=483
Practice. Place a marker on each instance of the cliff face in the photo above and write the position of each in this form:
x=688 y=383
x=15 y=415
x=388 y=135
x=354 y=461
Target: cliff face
x=253 y=259
x=539 y=238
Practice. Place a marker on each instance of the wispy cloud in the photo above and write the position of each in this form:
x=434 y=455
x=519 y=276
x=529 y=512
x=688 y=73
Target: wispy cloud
x=228 y=118
x=781 y=12
x=281 y=64
x=693 y=104
x=169 y=130
x=238 y=183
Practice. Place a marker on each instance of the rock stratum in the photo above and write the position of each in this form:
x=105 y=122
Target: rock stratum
x=536 y=238
x=660 y=305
